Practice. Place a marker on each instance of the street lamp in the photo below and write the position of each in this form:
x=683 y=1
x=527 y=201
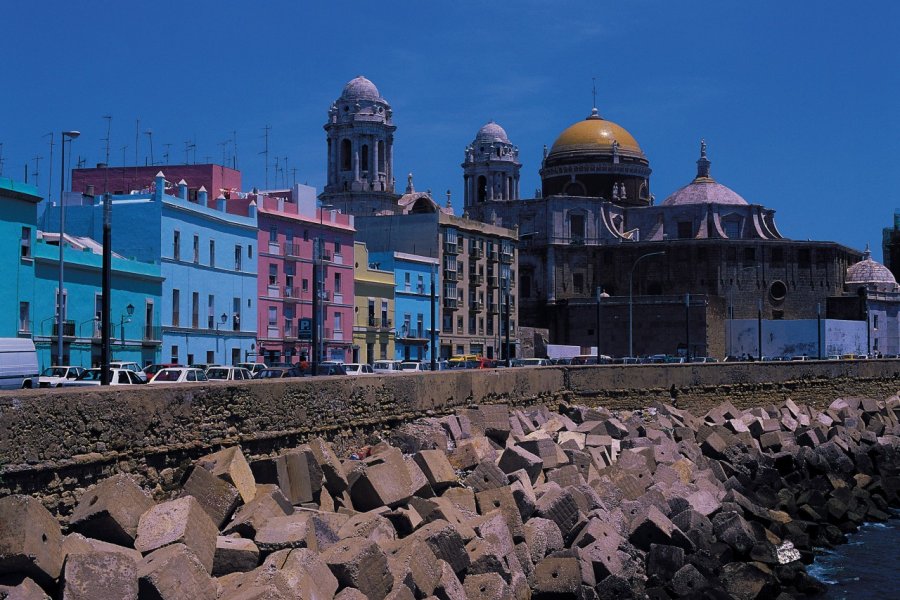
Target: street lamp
x=631 y=299
x=221 y=322
x=62 y=229
x=129 y=311
x=600 y=296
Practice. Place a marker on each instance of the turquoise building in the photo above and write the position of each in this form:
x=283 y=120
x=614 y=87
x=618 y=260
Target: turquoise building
x=206 y=252
x=18 y=219
x=412 y=302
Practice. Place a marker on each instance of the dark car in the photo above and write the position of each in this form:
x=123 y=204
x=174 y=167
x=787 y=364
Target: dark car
x=325 y=369
x=277 y=373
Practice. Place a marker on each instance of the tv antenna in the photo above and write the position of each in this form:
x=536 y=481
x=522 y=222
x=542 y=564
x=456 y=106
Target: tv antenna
x=234 y=156
x=594 y=90
x=166 y=153
x=267 y=129
x=149 y=134
x=106 y=162
x=50 y=179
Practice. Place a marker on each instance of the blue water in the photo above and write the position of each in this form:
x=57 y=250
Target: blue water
x=866 y=567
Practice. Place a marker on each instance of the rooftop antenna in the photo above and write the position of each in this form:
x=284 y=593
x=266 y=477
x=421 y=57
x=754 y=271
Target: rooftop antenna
x=50 y=178
x=284 y=171
x=277 y=167
x=149 y=134
x=137 y=141
x=106 y=162
x=124 y=148
x=37 y=166
x=267 y=129
x=594 y=90
x=225 y=152
x=294 y=176
x=166 y=153
x=234 y=156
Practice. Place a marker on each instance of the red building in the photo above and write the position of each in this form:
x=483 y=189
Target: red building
x=216 y=179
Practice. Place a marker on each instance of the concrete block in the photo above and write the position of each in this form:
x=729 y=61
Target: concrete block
x=380 y=485
x=502 y=499
x=486 y=476
x=602 y=559
x=180 y=521
x=559 y=506
x=449 y=587
x=545 y=448
x=566 y=476
x=653 y=527
x=446 y=543
x=688 y=581
x=493 y=528
x=419 y=484
x=234 y=554
x=664 y=561
x=517 y=457
x=486 y=586
x=350 y=594
x=486 y=557
x=100 y=575
x=110 y=510
x=372 y=525
x=462 y=498
x=230 y=465
x=332 y=468
x=27 y=589
x=360 y=563
x=75 y=543
x=174 y=573
x=288 y=531
x=423 y=568
x=268 y=502
x=437 y=469
x=217 y=497
x=491 y=420
x=542 y=537
x=299 y=475
x=714 y=446
x=308 y=576
x=30 y=540
x=557 y=578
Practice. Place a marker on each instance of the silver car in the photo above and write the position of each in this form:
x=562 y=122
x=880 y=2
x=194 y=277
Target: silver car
x=57 y=376
x=228 y=374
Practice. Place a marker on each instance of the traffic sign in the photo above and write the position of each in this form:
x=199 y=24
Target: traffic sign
x=304 y=332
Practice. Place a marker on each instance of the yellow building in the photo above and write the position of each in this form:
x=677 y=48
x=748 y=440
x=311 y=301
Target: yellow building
x=373 y=313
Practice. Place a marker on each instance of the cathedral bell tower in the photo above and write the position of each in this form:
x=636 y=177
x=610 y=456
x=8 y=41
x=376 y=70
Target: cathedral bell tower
x=491 y=169
x=360 y=132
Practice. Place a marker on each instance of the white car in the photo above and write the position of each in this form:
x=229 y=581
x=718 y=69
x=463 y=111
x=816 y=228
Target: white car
x=56 y=376
x=358 y=369
x=179 y=375
x=116 y=377
x=254 y=368
x=390 y=367
x=414 y=366
x=228 y=374
x=130 y=366
x=536 y=362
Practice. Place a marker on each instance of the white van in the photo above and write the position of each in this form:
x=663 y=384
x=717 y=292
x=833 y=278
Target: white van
x=18 y=364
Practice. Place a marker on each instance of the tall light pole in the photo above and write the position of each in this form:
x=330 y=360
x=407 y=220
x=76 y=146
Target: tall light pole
x=221 y=322
x=433 y=321
x=62 y=229
x=631 y=299
x=125 y=318
x=600 y=296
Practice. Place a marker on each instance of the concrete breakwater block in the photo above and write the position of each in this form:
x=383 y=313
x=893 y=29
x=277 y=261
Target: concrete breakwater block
x=488 y=503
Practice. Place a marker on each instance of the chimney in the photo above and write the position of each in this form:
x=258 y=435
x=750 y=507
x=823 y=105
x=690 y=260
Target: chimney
x=160 y=187
x=251 y=209
x=220 y=203
x=89 y=190
x=182 y=190
x=202 y=196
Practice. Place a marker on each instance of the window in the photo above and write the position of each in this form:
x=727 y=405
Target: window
x=26 y=242
x=383 y=351
x=176 y=309
x=195 y=310
x=211 y=312
x=23 y=317
x=576 y=224
x=578 y=283
x=345 y=155
x=384 y=313
x=749 y=254
x=196 y=249
x=148 y=320
x=237 y=258
x=685 y=230
x=176 y=245
x=236 y=314
x=273 y=316
x=210 y=358
x=273 y=275
x=305 y=285
x=337 y=248
x=273 y=235
x=406 y=283
x=250 y=251
x=804 y=257
x=306 y=235
x=420 y=286
x=173 y=355
x=212 y=253
x=337 y=283
x=407 y=323
x=447 y=324
x=420 y=325
x=874 y=321
x=338 y=321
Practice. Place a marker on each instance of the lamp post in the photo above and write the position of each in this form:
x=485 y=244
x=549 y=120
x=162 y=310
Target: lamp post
x=62 y=229
x=221 y=322
x=433 y=321
x=600 y=295
x=129 y=311
x=631 y=299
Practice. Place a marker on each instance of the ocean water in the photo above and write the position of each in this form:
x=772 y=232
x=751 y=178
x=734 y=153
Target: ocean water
x=866 y=567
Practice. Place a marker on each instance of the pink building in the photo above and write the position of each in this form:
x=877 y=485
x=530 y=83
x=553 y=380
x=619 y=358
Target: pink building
x=285 y=284
x=217 y=180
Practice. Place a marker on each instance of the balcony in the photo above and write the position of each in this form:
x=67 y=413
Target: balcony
x=291 y=294
x=450 y=303
x=476 y=279
x=325 y=295
x=68 y=329
x=506 y=257
x=152 y=334
x=493 y=308
x=450 y=274
x=290 y=331
x=492 y=255
x=460 y=275
x=451 y=248
x=290 y=251
x=325 y=255
x=476 y=306
x=380 y=323
x=476 y=252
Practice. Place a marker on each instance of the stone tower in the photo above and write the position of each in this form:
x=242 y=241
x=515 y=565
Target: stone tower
x=491 y=169
x=360 y=132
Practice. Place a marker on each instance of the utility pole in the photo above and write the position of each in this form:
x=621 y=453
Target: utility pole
x=314 y=350
x=106 y=277
x=433 y=322
x=149 y=134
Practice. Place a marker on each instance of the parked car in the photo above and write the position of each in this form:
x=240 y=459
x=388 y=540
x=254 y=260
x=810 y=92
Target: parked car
x=151 y=370
x=116 y=377
x=704 y=359
x=562 y=360
x=536 y=362
x=18 y=364
x=56 y=376
x=414 y=366
x=389 y=367
x=358 y=369
x=228 y=374
x=254 y=368
x=129 y=366
x=179 y=375
x=277 y=373
x=325 y=368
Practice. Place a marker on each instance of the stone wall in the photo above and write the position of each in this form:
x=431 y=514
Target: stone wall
x=53 y=444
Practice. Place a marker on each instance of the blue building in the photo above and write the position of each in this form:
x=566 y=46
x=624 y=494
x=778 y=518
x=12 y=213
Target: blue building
x=18 y=219
x=413 y=278
x=207 y=256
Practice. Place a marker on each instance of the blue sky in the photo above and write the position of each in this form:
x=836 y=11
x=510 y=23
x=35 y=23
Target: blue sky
x=797 y=100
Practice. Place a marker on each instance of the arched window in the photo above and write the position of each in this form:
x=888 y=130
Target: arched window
x=364 y=162
x=346 y=162
x=482 y=189
x=575 y=188
x=381 y=156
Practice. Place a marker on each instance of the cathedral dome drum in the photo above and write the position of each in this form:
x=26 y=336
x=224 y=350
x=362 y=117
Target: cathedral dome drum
x=871 y=273
x=360 y=88
x=594 y=135
x=704 y=189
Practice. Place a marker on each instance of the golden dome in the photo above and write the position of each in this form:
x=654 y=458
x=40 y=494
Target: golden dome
x=595 y=134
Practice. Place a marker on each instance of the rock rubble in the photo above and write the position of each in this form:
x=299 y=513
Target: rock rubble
x=488 y=503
